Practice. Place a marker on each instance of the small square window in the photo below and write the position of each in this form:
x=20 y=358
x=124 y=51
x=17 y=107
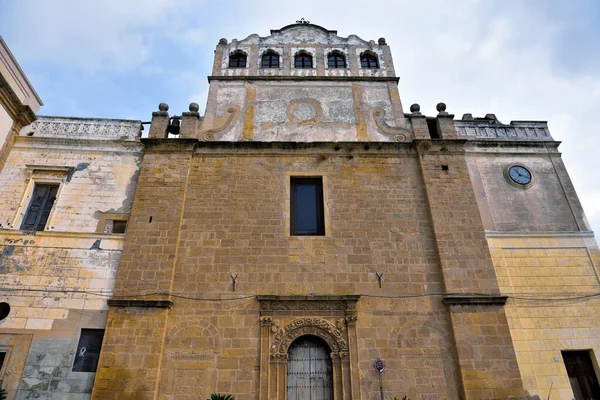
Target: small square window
x=40 y=206
x=88 y=350
x=306 y=207
x=119 y=226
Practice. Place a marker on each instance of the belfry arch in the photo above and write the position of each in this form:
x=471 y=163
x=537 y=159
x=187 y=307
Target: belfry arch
x=331 y=319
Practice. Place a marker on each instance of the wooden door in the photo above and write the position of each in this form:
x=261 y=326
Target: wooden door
x=309 y=370
x=582 y=375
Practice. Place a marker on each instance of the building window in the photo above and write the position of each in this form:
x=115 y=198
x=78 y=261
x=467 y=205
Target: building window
x=119 y=226
x=581 y=374
x=40 y=207
x=114 y=226
x=368 y=60
x=270 y=59
x=303 y=60
x=237 y=60
x=306 y=207
x=335 y=59
x=88 y=350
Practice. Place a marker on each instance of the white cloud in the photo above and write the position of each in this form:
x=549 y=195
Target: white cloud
x=108 y=34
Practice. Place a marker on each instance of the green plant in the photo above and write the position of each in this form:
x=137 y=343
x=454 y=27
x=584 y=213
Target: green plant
x=3 y=392
x=217 y=396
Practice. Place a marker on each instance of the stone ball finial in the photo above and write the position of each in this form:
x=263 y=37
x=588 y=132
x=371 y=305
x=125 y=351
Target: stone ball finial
x=163 y=107
x=441 y=107
x=381 y=41
x=194 y=107
x=415 y=108
x=222 y=41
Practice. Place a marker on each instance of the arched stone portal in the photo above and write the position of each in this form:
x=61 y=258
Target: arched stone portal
x=332 y=324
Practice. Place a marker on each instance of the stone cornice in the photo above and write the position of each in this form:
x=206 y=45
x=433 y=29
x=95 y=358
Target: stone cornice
x=23 y=114
x=28 y=142
x=141 y=303
x=545 y=234
x=58 y=239
x=241 y=148
x=306 y=78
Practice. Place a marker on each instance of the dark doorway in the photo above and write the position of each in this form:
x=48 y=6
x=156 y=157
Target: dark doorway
x=582 y=375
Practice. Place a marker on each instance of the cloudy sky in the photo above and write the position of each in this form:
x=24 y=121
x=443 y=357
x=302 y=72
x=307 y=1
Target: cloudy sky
x=519 y=59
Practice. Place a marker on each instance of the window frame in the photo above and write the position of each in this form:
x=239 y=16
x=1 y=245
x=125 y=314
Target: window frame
x=272 y=54
x=336 y=54
x=237 y=56
x=369 y=56
x=107 y=220
x=303 y=54
x=317 y=181
x=41 y=175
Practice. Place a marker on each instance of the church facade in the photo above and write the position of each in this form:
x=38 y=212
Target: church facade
x=309 y=238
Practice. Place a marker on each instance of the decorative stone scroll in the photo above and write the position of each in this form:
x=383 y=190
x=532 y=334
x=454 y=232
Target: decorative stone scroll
x=225 y=121
x=397 y=133
x=308 y=326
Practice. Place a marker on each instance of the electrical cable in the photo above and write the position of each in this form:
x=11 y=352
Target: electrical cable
x=208 y=296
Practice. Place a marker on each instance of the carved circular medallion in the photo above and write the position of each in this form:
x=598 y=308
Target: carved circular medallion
x=304 y=111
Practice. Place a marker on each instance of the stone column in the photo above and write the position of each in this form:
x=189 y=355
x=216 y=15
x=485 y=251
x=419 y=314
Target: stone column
x=160 y=121
x=190 y=123
x=419 y=123
x=265 y=326
x=217 y=63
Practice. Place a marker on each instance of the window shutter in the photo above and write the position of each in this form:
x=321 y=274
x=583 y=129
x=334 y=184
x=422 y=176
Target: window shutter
x=47 y=208
x=40 y=207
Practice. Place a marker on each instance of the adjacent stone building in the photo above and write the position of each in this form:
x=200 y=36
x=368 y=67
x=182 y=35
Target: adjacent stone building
x=66 y=189
x=303 y=228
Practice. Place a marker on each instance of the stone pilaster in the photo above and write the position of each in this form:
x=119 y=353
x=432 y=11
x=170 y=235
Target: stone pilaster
x=486 y=355
x=130 y=363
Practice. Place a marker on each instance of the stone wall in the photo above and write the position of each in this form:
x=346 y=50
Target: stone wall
x=205 y=213
x=57 y=281
x=553 y=281
x=549 y=205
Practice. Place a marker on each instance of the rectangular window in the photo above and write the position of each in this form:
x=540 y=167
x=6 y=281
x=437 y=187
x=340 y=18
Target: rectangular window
x=119 y=226
x=88 y=350
x=306 y=207
x=41 y=203
x=581 y=374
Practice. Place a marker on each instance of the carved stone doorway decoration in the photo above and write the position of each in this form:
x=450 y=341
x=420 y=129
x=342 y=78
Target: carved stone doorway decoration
x=332 y=319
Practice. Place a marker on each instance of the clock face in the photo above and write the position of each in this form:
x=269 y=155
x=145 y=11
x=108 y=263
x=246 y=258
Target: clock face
x=519 y=174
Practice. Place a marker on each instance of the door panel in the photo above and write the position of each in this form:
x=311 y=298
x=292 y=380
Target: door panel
x=309 y=370
x=582 y=375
